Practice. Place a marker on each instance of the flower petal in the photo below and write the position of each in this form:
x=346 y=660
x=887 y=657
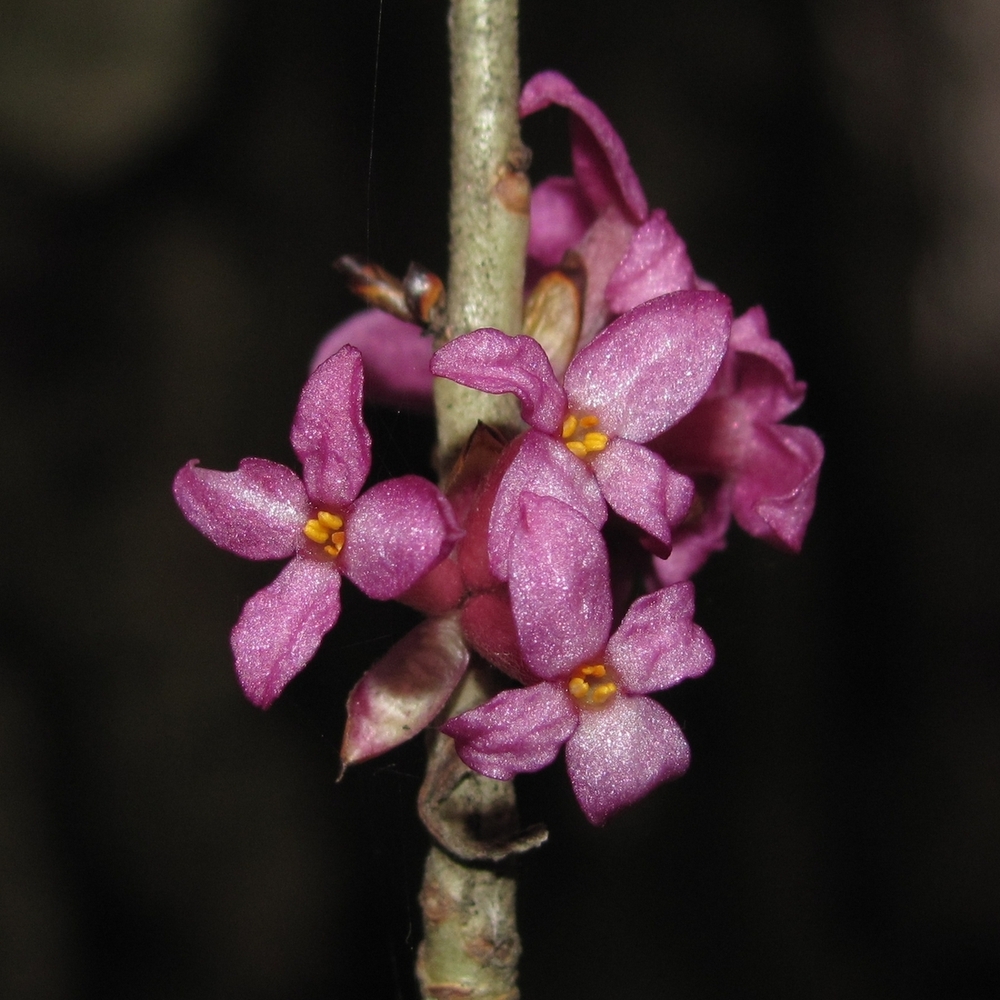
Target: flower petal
x=396 y=357
x=656 y=263
x=396 y=532
x=763 y=374
x=775 y=494
x=657 y=644
x=400 y=695
x=560 y=215
x=620 y=752
x=560 y=589
x=329 y=434
x=545 y=467
x=600 y=161
x=490 y=361
x=700 y=535
x=651 y=366
x=258 y=511
x=282 y=625
x=601 y=251
x=518 y=731
x=640 y=486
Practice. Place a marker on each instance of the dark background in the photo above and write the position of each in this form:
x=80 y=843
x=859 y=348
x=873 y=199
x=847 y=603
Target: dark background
x=174 y=181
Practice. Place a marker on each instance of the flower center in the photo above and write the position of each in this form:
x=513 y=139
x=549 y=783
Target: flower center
x=581 y=437
x=590 y=686
x=326 y=529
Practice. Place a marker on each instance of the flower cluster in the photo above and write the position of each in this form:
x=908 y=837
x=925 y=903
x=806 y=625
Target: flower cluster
x=646 y=407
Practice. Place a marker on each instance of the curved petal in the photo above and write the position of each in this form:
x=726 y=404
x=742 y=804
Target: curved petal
x=396 y=357
x=763 y=374
x=396 y=532
x=640 y=486
x=600 y=161
x=698 y=537
x=657 y=644
x=620 y=752
x=560 y=215
x=518 y=731
x=282 y=625
x=651 y=366
x=546 y=468
x=258 y=511
x=775 y=494
x=403 y=692
x=329 y=434
x=655 y=264
x=560 y=588
x=490 y=361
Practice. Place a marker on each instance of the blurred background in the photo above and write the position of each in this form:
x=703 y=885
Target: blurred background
x=175 y=179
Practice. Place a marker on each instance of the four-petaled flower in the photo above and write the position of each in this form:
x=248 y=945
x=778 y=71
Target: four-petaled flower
x=383 y=540
x=592 y=685
x=637 y=378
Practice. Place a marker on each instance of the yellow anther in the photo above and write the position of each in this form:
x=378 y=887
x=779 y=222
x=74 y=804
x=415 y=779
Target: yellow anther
x=579 y=436
x=336 y=544
x=602 y=692
x=325 y=529
x=588 y=687
x=315 y=532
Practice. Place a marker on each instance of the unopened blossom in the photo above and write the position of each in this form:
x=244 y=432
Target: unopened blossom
x=747 y=464
x=383 y=540
x=637 y=378
x=590 y=686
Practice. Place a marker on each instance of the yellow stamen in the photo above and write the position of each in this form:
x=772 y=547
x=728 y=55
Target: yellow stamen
x=582 y=685
x=315 y=532
x=325 y=529
x=580 y=437
x=602 y=692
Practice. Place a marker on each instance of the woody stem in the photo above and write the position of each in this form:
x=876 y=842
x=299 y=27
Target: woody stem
x=471 y=945
x=490 y=197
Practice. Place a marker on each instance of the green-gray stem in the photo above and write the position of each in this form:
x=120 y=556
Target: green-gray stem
x=471 y=946
x=489 y=206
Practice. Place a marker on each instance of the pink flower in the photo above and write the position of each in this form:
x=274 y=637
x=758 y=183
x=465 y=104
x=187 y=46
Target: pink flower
x=592 y=685
x=383 y=540
x=746 y=463
x=636 y=379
